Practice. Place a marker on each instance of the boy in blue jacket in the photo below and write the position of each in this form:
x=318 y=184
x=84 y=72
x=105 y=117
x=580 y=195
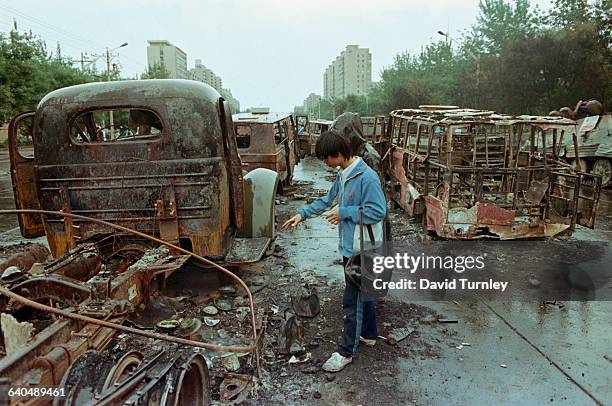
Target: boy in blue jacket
x=356 y=187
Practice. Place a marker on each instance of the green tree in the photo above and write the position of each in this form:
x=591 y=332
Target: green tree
x=568 y=13
x=156 y=71
x=500 y=21
x=28 y=72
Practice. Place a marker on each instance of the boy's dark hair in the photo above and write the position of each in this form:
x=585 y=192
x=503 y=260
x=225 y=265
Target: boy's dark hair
x=331 y=143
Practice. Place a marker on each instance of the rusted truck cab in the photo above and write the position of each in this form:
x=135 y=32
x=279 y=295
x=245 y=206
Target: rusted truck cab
x=267 y=140
x=158 y=156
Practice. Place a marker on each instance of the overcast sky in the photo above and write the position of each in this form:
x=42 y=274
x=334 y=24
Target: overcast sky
x=268 y=52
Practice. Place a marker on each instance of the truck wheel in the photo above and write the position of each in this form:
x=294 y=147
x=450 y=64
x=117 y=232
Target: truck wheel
x=603 y=168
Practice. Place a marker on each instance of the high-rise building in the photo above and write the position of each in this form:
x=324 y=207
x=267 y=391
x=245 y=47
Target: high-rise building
x=206 y=75
x=312 y=106
x=172 y=58
x=350 y=73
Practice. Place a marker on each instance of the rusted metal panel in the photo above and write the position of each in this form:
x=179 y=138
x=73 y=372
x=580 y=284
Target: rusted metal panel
x=491 y=214
x=23 y=177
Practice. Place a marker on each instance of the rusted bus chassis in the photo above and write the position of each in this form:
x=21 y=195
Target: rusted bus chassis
x=477 y=174
x=164 y=164
x=267 y=140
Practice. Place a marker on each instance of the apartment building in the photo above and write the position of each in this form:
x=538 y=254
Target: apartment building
x=163 y=53
x=349 y=73
x=206 y=75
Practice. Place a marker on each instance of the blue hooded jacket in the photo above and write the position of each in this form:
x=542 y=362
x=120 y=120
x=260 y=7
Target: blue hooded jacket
x=361 y=189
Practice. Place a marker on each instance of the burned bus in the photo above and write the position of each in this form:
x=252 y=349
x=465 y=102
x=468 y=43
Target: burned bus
x=131 y=182
x=478 y=174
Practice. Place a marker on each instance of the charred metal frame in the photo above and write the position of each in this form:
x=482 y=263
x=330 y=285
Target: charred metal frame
x=477 y=174
x=374 y=129
x=273 y=143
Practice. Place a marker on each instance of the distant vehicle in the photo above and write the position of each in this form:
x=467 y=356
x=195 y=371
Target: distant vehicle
x=594 y=147
x=373 y=128
x=267 y=140
x=303 y=134
x=315 y=129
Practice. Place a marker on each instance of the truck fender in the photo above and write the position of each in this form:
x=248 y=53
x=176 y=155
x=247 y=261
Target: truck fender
x=259 y=198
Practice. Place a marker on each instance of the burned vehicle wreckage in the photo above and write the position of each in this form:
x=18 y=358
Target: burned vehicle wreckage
x=132 y=183
x=478 y=174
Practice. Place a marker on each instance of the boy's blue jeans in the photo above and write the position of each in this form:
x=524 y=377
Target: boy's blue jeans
x=359 y=318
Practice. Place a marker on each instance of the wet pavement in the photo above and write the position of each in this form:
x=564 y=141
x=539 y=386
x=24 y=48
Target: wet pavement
x=518 y=353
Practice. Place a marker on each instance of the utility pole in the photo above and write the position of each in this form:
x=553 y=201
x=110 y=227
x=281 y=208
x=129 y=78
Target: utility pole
x=108 y=56
x=108 y=77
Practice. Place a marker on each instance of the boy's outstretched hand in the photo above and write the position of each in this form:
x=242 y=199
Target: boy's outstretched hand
x=292 y=223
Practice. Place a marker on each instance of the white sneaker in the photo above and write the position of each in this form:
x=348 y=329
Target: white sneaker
x=370 y=342
x=336 y=363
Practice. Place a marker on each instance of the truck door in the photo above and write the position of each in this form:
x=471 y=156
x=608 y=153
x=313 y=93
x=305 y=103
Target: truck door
x=22 y=173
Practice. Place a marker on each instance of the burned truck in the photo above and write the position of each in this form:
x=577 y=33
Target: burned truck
x=268 y=140
x=132 y=183
x=477 y=174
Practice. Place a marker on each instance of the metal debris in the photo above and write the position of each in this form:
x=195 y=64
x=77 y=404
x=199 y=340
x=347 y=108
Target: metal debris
x=168 y=325
x=398 y=334
x=290 y=334
x=305 y=302
x=300 y=360
x=12 y=272
x=211 y=310
x=235 y=388
x=231 y=362
x=242 y=313
x=223 y=304
x=188 y=327
x=227 y=290
x=210 y=322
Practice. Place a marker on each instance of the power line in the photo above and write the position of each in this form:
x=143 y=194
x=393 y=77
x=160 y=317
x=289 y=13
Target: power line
x=72 y=45
x=51 y=27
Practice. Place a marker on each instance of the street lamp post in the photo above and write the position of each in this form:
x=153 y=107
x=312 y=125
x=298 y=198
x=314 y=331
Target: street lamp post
x=449 y=40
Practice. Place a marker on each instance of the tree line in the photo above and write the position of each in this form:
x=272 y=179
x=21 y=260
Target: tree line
x=515 y=59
